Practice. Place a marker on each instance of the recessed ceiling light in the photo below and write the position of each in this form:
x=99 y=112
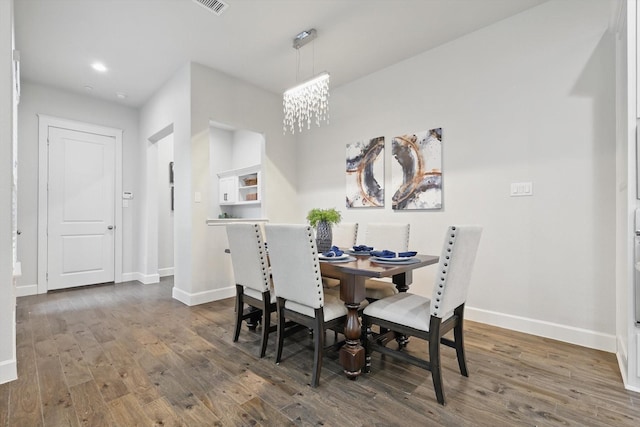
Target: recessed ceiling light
x=99 y=67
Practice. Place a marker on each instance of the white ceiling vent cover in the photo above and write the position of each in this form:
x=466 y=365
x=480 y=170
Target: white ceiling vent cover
x=215 y=6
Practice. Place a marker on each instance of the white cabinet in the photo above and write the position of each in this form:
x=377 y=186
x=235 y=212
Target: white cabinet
x=240 y=186
x=227 y=193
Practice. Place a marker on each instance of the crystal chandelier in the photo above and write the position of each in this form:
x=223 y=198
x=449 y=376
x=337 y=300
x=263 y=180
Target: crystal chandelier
x=309 y=100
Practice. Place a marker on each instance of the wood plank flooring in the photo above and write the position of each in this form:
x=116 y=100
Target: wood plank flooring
x=130 y=355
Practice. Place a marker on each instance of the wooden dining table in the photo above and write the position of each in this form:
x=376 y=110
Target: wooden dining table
x=352 y=275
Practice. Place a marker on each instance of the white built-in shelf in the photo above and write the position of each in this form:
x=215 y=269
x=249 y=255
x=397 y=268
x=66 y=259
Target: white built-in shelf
x=224 y=221
x=240 y=186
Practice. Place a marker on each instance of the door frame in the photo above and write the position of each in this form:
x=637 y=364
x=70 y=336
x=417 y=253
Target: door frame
x=44 y=123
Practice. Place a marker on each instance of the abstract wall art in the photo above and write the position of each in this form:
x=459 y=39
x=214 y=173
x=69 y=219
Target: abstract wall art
x=365 y=173
x=416 y=171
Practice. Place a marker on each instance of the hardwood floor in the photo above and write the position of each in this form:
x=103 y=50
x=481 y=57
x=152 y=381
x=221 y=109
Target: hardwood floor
x=128 y=355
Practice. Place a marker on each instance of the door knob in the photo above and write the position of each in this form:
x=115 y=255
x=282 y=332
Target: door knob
x=110 y=227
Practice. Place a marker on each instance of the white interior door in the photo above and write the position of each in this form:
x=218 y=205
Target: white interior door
x=81 y=208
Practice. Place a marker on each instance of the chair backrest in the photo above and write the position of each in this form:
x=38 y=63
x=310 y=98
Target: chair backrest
x=454 y=269
x=394 y=237
x=248 y=255
x=295 y=267
x=345 y=234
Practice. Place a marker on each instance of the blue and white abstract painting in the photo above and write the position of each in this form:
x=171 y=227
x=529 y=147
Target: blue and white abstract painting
x=365 y=173
x=416 y=172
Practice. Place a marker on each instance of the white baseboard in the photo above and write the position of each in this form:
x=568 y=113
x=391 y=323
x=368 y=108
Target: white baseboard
x=203 y=297
x=632 y=388
x=164 y=272
x=8 y=371
x=569 y=334
x=622 y=357
x=145 y=279
x=624 y=372
x=26 y=290
x=631 y=380
x=622 y=352
x=129 y=277
x=148 y=279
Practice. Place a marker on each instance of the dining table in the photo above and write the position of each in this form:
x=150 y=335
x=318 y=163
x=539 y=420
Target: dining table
x=352 y=273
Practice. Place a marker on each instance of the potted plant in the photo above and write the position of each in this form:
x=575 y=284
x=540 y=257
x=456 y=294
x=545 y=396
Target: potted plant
x=322 y=220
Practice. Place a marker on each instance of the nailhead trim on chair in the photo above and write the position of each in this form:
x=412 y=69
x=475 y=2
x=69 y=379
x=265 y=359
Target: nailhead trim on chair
x=445 y=269
x=408 y=233
x=315 y=265
x=265 y=269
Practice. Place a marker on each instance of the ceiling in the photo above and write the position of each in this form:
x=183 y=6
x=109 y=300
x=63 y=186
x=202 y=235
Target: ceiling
x=144 y=42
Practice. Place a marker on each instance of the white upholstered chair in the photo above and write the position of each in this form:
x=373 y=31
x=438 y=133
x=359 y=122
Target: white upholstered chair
x=251 y=272
x=298 y=287
x=430 y=319
x=345 y=234
x=394 y=237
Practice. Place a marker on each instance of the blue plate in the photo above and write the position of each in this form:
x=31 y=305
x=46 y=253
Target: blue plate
x=396 y=260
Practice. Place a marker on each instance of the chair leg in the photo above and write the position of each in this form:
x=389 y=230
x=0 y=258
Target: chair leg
x=436 y=373
x=458 y=337
x=434 y=358
x=239 y=310
x=281 y=331
x=318 y=344
x=266 y=324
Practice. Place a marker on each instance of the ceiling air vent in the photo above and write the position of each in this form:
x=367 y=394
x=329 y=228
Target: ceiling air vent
x=215 y=6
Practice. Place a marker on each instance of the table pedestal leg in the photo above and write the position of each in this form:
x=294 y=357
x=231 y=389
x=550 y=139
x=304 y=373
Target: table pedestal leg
x=352 y=353
x=256 y=317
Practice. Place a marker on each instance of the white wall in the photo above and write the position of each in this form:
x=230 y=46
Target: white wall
x=220 y=155
x=247 y=149
x=628 y=333
x=221 y=149
x=8 y=367
x=165 y=214
x=193 y=98
x=623 y=192
x=38 y=99
x=530 y=98
x=224 y=99
x=168 y=108
x=221 y=98
x=232 y=149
